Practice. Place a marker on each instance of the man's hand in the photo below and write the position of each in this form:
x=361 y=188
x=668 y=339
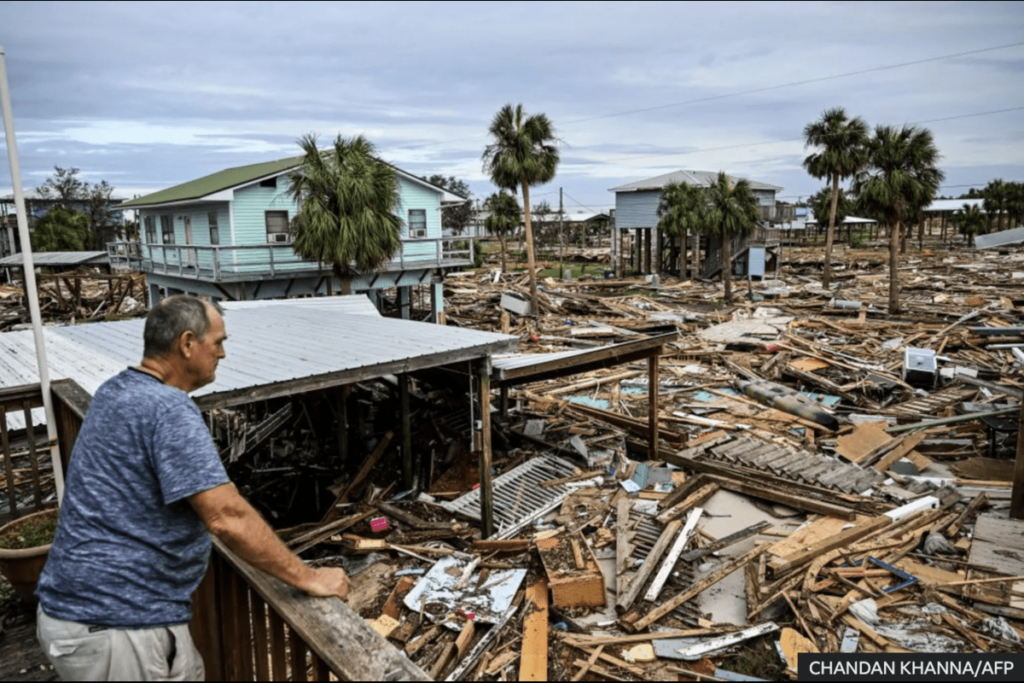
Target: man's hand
x=329 y=581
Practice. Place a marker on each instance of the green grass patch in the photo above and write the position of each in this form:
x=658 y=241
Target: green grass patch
x=578 y=270
x=29 y=533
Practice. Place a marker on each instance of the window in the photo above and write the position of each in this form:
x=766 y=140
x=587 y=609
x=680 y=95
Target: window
x=150 y=223
x=214 y=230
x=277 y=226
x=269 y=182
x=167 y=229
x=417 y=223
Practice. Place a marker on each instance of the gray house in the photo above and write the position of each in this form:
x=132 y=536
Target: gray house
x=636 y=209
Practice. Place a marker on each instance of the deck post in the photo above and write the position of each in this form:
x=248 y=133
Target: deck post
x=652 y=409
x=486 y=490
x=403 y=396
x=1017 y=495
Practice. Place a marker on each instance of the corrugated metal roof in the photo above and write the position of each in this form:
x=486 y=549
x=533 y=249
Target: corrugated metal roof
x=215 y=182
x=699 y=178
x=999 y=239
x=269 y=343
x=954 y=204
x=58 y=258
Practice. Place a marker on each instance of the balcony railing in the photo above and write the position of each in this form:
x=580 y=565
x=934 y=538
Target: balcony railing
x=239 y=263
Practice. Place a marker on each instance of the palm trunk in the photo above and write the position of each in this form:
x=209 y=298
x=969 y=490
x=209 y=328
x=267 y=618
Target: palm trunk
x=534 y=305
x=682 y=255
x=696 y=254
x=727 y=264
x=894 y=279
x=504 y=265
x=826 y=278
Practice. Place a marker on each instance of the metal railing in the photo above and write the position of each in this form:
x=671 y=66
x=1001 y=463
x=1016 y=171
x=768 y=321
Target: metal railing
x=235 y=263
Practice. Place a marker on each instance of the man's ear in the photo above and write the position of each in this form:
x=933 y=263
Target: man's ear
x=186 y=343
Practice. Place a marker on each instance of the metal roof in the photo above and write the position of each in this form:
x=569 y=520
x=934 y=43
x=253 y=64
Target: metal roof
x=229 y=178
x=699 y=178
x=58 y=258
x=954 y=204
x=854 y=220
x=524 y=368
x=274 y=348
x=999 y=239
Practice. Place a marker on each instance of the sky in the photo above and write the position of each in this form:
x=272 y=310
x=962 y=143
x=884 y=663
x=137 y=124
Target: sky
x=149 y=95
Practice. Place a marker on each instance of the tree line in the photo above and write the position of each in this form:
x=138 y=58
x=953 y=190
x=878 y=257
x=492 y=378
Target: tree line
x=81 y=215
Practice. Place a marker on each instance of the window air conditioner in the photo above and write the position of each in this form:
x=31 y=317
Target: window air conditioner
x=277 y=237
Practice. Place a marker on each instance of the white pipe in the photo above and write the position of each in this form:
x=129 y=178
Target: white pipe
x=31 y=295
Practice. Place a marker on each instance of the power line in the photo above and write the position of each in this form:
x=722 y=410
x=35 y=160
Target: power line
x=800 y=139
x=795 y=83
x=750 y=91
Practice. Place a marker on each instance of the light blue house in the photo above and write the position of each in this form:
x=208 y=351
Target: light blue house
x=636 y=208
x=226 y=236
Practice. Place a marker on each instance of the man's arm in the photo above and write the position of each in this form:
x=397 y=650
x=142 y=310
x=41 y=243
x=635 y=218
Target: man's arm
x=234 y=522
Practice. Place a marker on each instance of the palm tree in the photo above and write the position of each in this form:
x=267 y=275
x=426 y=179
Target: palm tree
x=502 y=220
x=683 y=209
x=522 y=153
x=842 y=152
x=970 y=220
x=347 y=199
x=995 y=194
x=732 y=212
x=901 y=177
x=821 y=203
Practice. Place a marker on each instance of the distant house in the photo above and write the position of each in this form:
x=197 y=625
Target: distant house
x=226 y=235
x=36 y=208
x=636 y=208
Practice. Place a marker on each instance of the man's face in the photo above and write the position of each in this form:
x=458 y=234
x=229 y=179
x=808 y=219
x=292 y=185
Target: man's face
x=206 y=353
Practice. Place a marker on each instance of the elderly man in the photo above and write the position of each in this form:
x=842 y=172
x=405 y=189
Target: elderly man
x=145 y=489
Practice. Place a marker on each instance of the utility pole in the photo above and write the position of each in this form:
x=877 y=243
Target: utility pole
x=31 y=294
x=561 y=236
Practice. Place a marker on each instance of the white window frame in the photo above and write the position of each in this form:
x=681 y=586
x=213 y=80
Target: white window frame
x=166 y=229
x=211 y=219
x=150 y=224
x=417 y=233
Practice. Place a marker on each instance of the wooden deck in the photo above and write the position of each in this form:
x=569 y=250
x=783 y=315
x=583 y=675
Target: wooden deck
x=21 y=658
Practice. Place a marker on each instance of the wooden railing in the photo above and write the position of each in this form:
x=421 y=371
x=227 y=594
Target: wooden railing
x=251 y=627
x=247 y=625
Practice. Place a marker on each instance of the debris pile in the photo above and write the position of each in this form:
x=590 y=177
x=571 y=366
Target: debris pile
x=828 y=478
x=83 y=294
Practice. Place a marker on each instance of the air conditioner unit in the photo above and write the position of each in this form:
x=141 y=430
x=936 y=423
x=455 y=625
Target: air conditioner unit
x=277 y=237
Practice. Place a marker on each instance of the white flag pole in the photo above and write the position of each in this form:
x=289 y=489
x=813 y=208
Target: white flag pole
x=31 y=295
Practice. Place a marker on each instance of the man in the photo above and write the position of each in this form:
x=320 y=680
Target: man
x=145 y=489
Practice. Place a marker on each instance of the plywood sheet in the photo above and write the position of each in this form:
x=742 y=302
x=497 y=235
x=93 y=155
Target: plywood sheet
x=809 y=364
x=856 y=445
x=820 y=529
x=998 y=545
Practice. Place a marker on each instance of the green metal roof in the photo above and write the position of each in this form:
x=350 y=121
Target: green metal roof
x=215 y=182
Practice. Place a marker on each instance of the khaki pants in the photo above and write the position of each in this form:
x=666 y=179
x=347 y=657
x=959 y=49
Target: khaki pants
x=82 y=653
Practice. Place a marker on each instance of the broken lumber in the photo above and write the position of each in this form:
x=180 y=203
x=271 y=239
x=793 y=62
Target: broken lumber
x=673 y=556
x=533 y=663
x=781 y=565
x=625 y=600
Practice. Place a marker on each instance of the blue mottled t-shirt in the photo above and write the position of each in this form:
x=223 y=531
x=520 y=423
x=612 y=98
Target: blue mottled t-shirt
x=130 y=549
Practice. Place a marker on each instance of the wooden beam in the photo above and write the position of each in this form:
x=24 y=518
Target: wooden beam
x=780 y=565
x=625 y=600
x=339 y=636
x=486 y=486
x=364 y=471
x=673 y=556
x=1017 y=496
x=696 y=589
x=533 y=664
x=403 y=399
x=652 y=403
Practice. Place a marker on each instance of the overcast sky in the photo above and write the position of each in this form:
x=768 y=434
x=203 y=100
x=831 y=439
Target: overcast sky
x=148 y=95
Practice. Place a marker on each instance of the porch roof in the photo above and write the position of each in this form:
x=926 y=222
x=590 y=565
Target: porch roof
x=275 y=348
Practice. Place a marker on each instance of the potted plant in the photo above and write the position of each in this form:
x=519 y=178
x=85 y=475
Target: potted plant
x=24 y=545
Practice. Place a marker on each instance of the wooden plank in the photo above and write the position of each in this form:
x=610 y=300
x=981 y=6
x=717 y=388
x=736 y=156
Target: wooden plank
x=232 y=634
x=298 y=650
x=904 y=449
x=590 y=662
x=320 y=534
x=780 y=565
x=206 y=625
x=696 y=589
x=278 y=656
x=998 y=545
x=623 y=547
x=625 y=600
x=533 y=664
x=673 y=556
x=1017 y=492
x=30 y=433
x=818 y=529
x=12 y=493
x=261 y=637
x=692 y=501
x=864 y=439
x=516 y=545
x=653 y=383
x=364 y=471
x=441 y=663
x=245 y=638
x=333 y=631
x=486 y=485
x=465 y=638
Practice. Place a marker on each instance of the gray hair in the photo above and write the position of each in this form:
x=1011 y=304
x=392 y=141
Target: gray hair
x=171 y=318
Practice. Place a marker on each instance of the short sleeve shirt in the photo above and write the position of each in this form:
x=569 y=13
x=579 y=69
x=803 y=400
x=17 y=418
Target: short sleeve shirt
x=130 y=550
